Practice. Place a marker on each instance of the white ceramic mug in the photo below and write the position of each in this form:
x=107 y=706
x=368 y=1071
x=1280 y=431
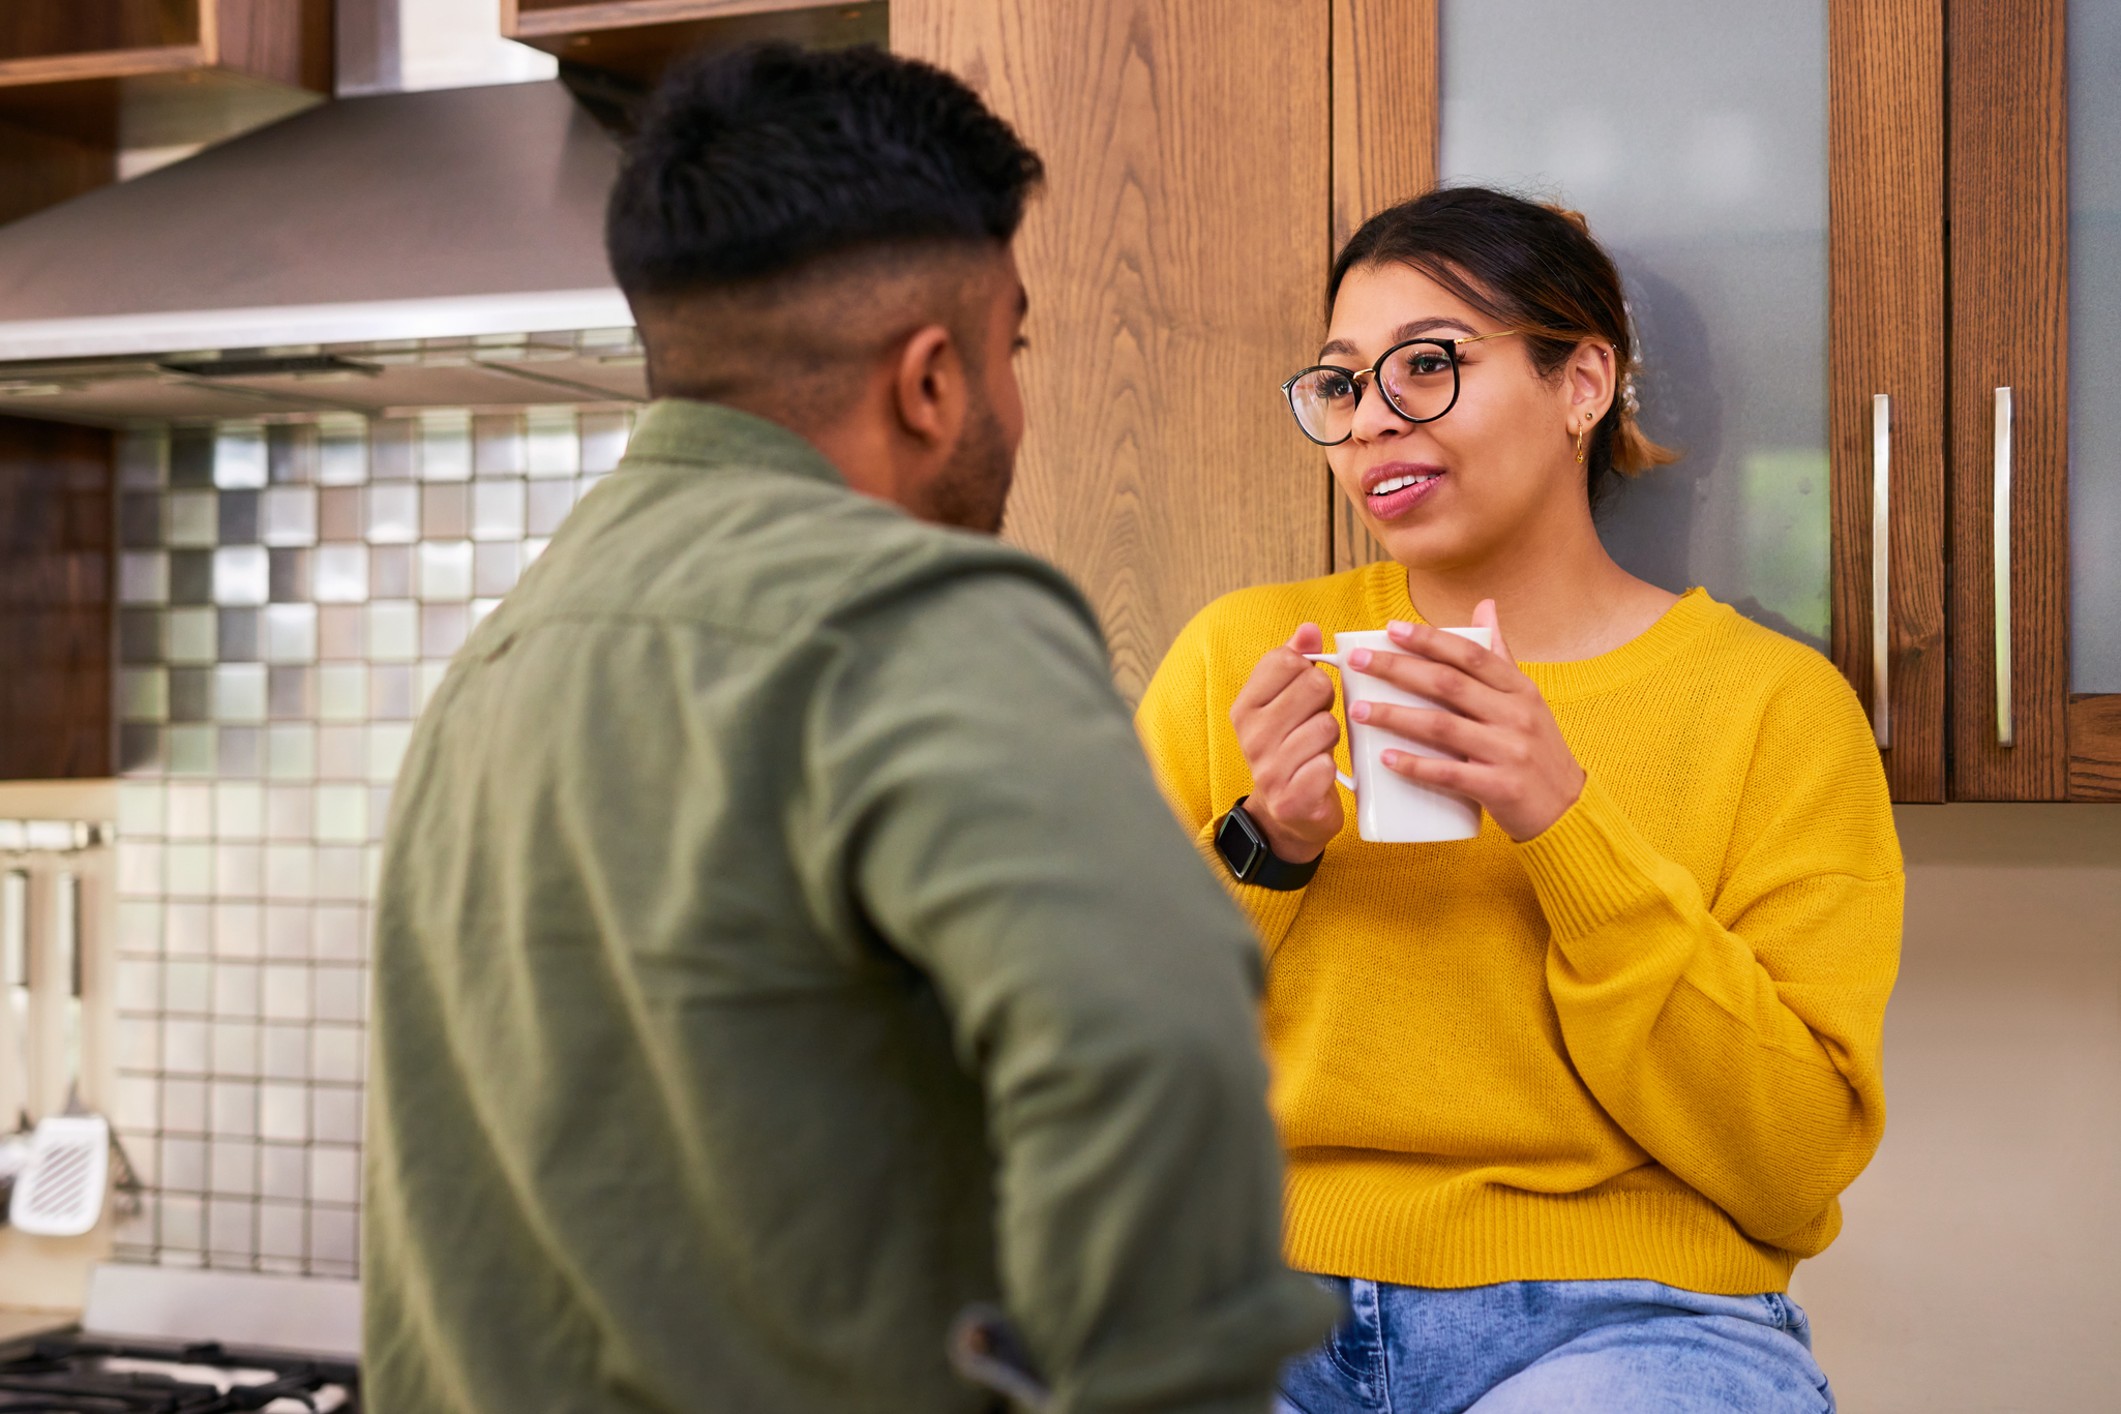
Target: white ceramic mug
x=1389 y=808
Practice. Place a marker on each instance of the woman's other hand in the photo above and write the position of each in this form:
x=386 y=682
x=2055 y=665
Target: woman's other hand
x=1516 y=763
x=1286 y=728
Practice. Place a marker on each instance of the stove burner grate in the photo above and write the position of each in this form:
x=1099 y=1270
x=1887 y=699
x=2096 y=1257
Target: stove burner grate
x=75 y=1374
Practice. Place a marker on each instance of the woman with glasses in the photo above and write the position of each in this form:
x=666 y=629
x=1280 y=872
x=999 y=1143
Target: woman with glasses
x=1565 y=1103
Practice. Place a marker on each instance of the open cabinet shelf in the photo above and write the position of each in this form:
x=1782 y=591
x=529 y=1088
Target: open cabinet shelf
x=161 y=73
x=635 y=39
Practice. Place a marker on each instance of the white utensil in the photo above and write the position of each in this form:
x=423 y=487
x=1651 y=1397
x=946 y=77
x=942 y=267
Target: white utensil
x=61 y=1193
x=14 y=958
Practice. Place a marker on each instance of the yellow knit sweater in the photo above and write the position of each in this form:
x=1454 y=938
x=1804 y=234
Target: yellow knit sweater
x=1644 y=1044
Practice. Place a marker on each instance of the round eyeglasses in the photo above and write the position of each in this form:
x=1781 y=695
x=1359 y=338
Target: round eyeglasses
x=1419 y=379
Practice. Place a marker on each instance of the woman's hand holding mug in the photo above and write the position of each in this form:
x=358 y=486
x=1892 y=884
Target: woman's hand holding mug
x=1287 y=731
x=1515 y=761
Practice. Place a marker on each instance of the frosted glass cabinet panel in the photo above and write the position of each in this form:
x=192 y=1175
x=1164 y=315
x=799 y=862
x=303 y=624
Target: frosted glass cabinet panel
x=2095 y=345
x=1693 y=135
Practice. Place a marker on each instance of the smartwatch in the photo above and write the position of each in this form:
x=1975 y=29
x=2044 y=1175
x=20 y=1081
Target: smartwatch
x=1244 y=849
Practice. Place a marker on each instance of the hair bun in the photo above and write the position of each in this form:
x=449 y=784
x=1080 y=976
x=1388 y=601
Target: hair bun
x=1569 y=214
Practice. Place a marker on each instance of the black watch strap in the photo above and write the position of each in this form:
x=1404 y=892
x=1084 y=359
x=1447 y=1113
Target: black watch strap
x=1244 y=849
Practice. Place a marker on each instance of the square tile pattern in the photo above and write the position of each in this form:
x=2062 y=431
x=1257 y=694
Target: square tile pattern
x=290 y=593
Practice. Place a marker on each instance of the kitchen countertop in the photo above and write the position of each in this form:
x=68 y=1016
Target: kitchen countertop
x=15 y=1323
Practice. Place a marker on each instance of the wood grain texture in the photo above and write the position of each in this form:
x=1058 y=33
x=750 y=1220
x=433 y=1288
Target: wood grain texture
x=639 y=53
x=41 y=29
x=57 y=533
x=172 y=73
x=1386 y=117
x=41 y=169
x=1886 y=254
x=535 y=18
x=2095 y=746
x=2010 y=328
x=288 y=41
x=1385 y=107
x=1173 y=264
x=102 y=64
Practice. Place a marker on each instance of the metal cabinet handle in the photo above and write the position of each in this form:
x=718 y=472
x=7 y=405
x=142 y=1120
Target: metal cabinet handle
x=2006 y=734
x=14 y=927
x=14 y=944
x=1881 y=566
x=67 y=922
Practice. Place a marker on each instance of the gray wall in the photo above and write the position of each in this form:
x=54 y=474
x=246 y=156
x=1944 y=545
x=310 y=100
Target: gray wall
x=1980 y=1269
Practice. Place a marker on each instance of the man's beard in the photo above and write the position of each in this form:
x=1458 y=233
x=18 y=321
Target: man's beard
x=972 y=489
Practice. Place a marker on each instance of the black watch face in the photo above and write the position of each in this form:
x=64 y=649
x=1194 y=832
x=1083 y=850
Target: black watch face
x=1241 y=848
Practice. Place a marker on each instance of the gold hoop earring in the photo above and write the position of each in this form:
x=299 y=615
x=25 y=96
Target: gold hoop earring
x=1579 y=442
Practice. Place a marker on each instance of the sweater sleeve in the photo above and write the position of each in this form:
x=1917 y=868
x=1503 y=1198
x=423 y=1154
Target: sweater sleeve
x=985 y=809
x=1184 y=730
x=1737 y=1039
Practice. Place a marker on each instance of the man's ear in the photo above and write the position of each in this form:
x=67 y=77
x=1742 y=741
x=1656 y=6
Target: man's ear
x=930 y=391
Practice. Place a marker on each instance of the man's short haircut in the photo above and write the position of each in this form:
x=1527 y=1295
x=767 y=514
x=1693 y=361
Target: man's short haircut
x=758 y=162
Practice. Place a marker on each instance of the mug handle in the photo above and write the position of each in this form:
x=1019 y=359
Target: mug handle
x=1333 y=660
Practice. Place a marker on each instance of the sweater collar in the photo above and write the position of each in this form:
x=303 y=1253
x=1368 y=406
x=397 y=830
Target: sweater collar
x=1385 y=598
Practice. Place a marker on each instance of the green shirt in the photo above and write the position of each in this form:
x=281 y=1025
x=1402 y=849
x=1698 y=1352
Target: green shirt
x=781 y=944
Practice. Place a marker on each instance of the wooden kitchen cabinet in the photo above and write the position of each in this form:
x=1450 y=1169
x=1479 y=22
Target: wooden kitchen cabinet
x=1174 y=265
x=1178 y=256
x=1385 y=123
x=58 y=527
x=1816 y=502
x=1886 y=313
x=2036 y=650
x=634 y=40
x=81 y=79
x=160 y=73
x=39 y=169
x=1974 y=432
x=1181 y=239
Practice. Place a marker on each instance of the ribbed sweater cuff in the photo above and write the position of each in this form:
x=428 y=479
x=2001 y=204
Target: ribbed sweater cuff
x=1272 y=911
x=1592 y=866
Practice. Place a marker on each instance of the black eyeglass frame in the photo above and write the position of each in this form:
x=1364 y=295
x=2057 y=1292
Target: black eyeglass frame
x=1375 y=373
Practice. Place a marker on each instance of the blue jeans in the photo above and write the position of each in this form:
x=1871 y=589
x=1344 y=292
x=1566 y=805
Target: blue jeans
x=1558 y=1347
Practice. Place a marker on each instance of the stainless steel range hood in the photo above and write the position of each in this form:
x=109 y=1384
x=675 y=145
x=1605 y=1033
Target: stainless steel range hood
x=415 y=244
x=442 y=214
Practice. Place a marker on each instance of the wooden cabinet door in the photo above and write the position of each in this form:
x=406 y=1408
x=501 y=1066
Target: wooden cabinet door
x=1885 y=169
x=1175 y=265
x=57 y=563
x=1385 y=121
x=2009 y=390
x=2018 y=730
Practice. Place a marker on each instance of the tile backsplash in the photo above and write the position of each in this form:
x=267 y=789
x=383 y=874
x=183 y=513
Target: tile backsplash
x=290 y=593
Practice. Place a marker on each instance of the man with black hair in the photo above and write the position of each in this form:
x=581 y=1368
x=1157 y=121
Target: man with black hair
x=782 y=944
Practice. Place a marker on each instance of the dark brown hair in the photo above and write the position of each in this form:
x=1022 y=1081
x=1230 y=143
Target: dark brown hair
x=1534 y=268
x=758 y=161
